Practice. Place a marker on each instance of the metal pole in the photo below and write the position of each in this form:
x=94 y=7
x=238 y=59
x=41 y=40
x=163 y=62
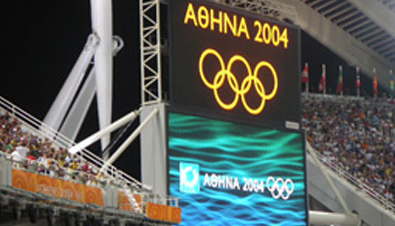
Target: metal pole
x=130 y=139
x=77 y=114
x=101 y=11
x=96 y=136
x=64 y=99
x=324 y=77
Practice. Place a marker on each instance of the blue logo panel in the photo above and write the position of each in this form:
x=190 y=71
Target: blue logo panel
x=189 y=178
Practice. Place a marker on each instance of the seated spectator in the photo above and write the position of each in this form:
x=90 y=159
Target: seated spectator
x=356 y=135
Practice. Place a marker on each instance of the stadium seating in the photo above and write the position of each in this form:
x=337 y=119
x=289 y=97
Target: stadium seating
x=36 y=170
x=357 y=134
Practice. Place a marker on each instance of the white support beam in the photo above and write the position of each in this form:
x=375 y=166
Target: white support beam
x=325 y=5
x=352 y=30
x=365 y=32
x=313 y=4
x=388 y=50
x=391 y=55
x=101 y=11
x=384 y=48
x=354 y=20
x=128 y=141
x=269 y=8
x=324 y=218
x=96 y=136
x=381 y=42
x=73 y=122
x=340 y=6
x=348 y=12
x=63 y=101
x=374 y=37
x=348 y=16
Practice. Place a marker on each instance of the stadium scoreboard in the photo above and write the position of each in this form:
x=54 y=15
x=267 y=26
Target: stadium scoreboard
x=234 y=64
x=226 y=173
x=235 y=150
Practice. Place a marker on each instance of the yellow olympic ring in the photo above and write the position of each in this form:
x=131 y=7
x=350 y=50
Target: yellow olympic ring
x=239 y=90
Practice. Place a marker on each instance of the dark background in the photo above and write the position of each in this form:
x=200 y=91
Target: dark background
x=41 y=41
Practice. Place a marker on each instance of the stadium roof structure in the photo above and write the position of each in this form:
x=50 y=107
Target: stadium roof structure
x=369 y=21
x=362 y=32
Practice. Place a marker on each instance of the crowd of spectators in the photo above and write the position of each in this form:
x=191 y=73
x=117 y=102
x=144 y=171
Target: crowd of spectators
x=358 y=135
x=30 y=151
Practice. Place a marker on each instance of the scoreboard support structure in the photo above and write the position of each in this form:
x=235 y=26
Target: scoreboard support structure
x=278 y=50
x=153 y=149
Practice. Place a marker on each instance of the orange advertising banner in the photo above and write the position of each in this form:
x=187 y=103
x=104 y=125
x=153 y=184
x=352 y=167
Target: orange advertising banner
x=24 y=180
x=93 y=195
x=57 y=188
x=163 y=213
x=124 y=203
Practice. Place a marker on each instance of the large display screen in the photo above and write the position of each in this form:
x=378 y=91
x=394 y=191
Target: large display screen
x=226 y=173
x=235 y=64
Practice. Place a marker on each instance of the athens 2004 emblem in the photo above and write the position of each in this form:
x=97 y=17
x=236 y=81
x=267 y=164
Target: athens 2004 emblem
x=251 y=81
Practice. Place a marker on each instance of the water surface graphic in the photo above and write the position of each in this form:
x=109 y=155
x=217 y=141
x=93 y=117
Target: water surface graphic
x=205 y=147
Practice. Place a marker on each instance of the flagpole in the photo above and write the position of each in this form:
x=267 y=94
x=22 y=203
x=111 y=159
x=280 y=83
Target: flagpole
x=374 y=83
x=392 y=85
x=358 y=83
x=324 y=74
x=342 y=81
x=306 y=65
x=305 y=77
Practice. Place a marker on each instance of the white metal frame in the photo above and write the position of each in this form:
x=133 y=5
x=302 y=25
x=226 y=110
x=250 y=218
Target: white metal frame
x=151 y=71
x=101 y=46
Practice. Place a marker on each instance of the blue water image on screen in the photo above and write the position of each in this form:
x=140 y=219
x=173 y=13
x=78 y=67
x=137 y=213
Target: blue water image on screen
x=232 y=174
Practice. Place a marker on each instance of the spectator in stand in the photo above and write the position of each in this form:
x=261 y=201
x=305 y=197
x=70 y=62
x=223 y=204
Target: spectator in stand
x=19 y=155
x=43 y=163
x=357 y=135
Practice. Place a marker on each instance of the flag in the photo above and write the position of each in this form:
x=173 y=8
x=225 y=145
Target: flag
x=322 y=86
x=375 y=84
x=340 y=81
x=305 y=76
x=358 y=81
x=392 y=85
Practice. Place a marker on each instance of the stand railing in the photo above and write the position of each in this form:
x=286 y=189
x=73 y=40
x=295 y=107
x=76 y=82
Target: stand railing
x=360 y=186
x=39 y=128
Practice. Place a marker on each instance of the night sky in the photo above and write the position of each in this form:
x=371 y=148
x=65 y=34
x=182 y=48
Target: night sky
x=41 y=42
x=43 y=39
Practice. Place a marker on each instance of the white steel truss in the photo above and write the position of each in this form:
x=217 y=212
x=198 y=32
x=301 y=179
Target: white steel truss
x=269 y=8
x=151 y=81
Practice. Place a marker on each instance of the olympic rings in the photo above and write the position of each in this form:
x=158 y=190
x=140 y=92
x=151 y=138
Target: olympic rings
x=240 y=90
x=279 y=187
